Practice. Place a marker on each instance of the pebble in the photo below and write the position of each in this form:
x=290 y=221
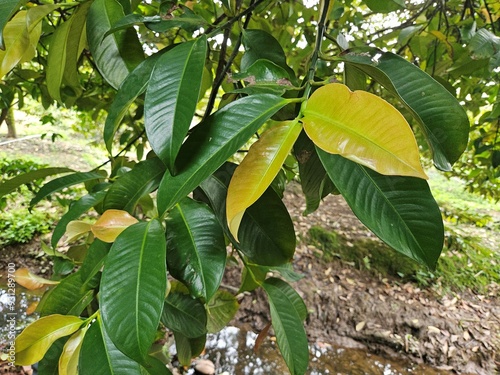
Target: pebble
x=204 y=367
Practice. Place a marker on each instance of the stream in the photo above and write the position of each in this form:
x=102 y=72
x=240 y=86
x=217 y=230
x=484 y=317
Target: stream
x=232 y=350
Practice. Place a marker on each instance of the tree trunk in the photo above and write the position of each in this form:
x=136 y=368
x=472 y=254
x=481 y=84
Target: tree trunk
x=7 y=116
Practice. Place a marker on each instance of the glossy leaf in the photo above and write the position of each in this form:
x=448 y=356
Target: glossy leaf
x=399 y=210
x=187 y=348
x=258 y=169
x=75 y=211
x=69 y=297
x=111 y=224
x=171 y=98
x=118 y=54
x=76 y=228
x=68 y=361
x=30 y=281
x=132 y=87
x=213 y=142
x=196 y=250
x=264 y=72
x=63 y=182
x=314 y=180
x=8 y=186
x=442 y=118
x=133 y=286
x=99 y=356
x=484 y=44
x=93 y=262
x=7 y=10
x=266 y=232
x=37 y=338
x=130 y=187
x=65 y=49
x=49 y=365
x=188 y=21
x=184 y=314
x=385 y=6
x=221 y=310
x=363 y=128
x=287 y=316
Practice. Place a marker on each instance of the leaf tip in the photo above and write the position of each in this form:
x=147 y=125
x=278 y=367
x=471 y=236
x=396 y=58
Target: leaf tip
x=234 y=224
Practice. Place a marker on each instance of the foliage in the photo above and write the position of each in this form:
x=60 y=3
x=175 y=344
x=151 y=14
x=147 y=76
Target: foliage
x=159 y=71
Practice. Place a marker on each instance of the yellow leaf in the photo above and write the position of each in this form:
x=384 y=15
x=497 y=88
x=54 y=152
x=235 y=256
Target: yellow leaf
x=363 y=128
x=68 y=361
x=258 y=169
x=37 y=338
x=111 y=224
x=30 y=281
x=76 y=228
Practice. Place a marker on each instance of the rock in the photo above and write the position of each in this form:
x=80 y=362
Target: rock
x=204 y=367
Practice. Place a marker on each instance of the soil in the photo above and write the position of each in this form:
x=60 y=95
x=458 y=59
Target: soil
x=457 y=333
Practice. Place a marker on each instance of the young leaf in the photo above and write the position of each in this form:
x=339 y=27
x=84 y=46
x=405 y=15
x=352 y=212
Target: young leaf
x=221 y=310
x=132 y=87
x=30 y=281
x=118 y=54
x=64 y=182
x=111 y=224
x=69 y=297
x=37 y=338
x=213 y=141
x=130 y=187
x=75 y=211
x=76 y=229
x=184 y=314
x=399 y=210
x=10 y=185
x=443 y=120
x=196 y=250
x=287 y=315
x=171 y=98
x=49 y=365
x=187 y=348
x=68 y=361
x=133 y=286
x=363 y=128
x=258 y=169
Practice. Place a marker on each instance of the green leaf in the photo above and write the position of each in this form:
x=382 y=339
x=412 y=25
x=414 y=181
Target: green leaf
x=196 y=250
x=213 y=141
x=264 y=72
x=49 y=365
x=266 y=232
x=287 y=315
x=75 y=211
x=258 y=169
x=130 y=187
x=442 y=118
x=252 y=277
x=68 y=362
x=221 y=310
x=484 y=45
x=10 y=185
x=363 y=128
x=65 y=49
x=133 y=287
x=92 y=264
x=7 y=9
x=69 y=297
x=132 y=87
x=385 y=6
x=313 y=178
x=188 y=21
x=64 y=182
x=399 y=210
x=36 y=339
x=184 y=314
x=118 y=54
x=187 y=348
x=171 y=98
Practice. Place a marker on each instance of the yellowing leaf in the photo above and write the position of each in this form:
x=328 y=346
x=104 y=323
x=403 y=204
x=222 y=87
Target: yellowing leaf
x=25 y=278
x=259 y=168
x=76 y=228
x=363 y=128
x=36 y=339
x=111 y=224
x=68 y=361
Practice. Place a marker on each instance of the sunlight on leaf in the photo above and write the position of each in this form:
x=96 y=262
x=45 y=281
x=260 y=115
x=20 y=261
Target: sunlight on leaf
x=111 y=224
x=259 y=168
x=363 y=128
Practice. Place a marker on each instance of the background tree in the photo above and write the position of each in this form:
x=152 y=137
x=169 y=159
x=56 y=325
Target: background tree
x=197 y=85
